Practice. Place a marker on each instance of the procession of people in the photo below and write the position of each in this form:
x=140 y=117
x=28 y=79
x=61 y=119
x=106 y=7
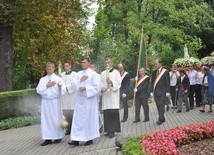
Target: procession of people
x=81 y=97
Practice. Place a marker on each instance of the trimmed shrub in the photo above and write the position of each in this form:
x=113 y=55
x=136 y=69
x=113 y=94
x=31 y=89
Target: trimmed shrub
x=19 y=103
x=18 y=122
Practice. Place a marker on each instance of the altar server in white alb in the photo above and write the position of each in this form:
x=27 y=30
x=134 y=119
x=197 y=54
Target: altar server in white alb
x=51 y=88
x=111 y=81
x=93 y=66
x=69 y=98
x=85 y=125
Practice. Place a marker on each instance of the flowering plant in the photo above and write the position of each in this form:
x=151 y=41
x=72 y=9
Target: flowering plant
x=182 y=62
x=209 y=60
x=165 y=142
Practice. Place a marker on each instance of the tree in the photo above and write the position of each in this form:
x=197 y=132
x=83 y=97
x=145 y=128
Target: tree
x=6 y=44
x=45 y=31
x=168 y=26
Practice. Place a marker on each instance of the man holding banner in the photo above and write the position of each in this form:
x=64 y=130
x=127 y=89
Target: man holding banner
x=160 y=89
x=142 y=95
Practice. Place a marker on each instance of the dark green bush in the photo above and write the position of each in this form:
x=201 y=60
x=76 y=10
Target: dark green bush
x=132 y=147
x=19 y=103
x=18 y=122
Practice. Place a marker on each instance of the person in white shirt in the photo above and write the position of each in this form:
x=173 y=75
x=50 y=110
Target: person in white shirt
x=174 y=75
x=68 y=99
x=111 y=83
x=85 y=125
x=93 y=66
x=192 y=74
x=51 y=88
x=198 y=95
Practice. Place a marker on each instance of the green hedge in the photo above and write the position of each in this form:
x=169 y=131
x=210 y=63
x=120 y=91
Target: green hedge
x=18 y=122
x=19 y=103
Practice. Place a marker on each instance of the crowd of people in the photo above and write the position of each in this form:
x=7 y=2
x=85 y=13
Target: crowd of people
x=77 y=96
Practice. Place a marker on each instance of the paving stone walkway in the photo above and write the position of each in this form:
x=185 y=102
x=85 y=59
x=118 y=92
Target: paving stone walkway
x=27 y=140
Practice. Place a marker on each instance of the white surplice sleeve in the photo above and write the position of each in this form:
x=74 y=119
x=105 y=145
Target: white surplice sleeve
x=116 y=81
x=94 y=88
x=71 y=88
x=63 y=87
x=41 y=88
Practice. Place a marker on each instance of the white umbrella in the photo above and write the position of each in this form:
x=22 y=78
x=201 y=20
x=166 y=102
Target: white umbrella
x=186 y=54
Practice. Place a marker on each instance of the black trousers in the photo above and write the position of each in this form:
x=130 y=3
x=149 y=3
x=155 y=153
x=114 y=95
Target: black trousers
x=191 y=95
x=160 y=101
x=111 y=120
x=173 y=95
x=141 y=102
x=198 y=94
x=125 y=107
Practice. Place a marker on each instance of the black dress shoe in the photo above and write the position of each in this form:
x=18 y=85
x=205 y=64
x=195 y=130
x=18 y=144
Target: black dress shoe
x=89 y=142
x=111 y=135
x=160 y=122
x=201 y=110
x=191 y=108
x=57 y=141
x=124 y=120
x=187 y=110
x=136 y=121
x=178 y=111
x=46 y=142
x=75 y=143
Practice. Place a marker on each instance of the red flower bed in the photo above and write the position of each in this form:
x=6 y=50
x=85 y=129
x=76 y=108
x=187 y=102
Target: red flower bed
x=166 y=142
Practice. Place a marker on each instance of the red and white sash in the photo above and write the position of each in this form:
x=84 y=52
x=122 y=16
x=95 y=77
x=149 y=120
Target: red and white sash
x=158 y=77
x=141 y=80
x=124 y=74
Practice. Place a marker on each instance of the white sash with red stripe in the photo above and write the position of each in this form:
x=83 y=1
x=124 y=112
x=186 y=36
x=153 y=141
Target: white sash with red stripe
x=124 y=74
x=141 y=80
x=158 y=77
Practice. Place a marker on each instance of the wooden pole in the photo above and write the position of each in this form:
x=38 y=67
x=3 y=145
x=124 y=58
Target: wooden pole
x=138 y=65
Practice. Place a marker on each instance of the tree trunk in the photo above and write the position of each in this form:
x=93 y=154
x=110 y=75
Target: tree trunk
x=6 y=53
x=6 y=58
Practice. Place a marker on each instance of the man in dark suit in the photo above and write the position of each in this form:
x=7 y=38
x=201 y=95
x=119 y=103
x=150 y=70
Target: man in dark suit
x=124 y=90
x=142 y=95
x=160 y=89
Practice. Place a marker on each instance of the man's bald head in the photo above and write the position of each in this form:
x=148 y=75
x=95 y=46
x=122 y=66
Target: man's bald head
x=120 y=67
